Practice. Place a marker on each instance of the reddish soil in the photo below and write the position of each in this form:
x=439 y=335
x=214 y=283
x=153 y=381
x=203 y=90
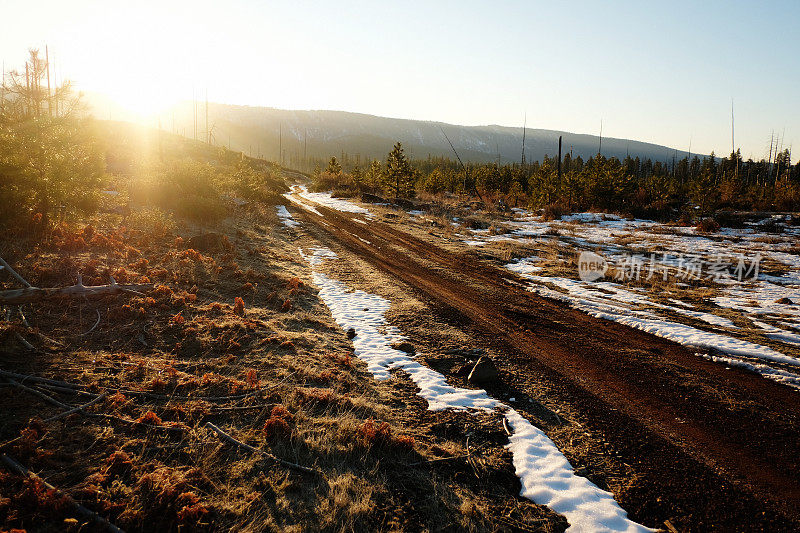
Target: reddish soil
x=712 y=448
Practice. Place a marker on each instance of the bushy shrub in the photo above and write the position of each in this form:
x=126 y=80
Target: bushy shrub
x=553 y=211
x=151 y=221
x=47 y=162
x=187 y=188
x=708 y=225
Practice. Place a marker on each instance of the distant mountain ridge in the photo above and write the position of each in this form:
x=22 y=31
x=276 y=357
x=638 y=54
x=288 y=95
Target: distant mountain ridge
x=319 y=134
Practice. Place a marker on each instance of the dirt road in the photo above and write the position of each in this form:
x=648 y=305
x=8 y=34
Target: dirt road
x=711 y=447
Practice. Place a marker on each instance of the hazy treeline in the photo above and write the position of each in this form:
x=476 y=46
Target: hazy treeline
x=636 y=186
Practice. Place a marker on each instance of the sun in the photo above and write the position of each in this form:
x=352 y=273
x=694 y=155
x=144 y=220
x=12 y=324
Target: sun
x=143 y=102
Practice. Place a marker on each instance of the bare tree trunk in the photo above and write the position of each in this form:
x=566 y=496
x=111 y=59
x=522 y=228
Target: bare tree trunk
x=47 y=62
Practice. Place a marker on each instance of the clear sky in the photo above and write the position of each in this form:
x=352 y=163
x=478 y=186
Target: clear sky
x=662 y=72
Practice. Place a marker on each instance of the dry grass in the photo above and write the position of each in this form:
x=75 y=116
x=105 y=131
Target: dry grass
x=222 y=321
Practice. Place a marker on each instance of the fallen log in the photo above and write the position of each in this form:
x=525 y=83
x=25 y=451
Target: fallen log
x=35 y=294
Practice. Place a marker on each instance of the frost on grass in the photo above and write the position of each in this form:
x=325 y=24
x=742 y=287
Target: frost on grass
x=547 y=477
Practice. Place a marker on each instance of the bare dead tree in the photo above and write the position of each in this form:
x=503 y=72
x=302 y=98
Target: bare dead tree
x=600 y=147
x=35 y=95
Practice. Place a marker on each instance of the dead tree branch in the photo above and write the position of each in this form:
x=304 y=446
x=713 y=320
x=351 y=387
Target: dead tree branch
x=18 y=469
x=106 y=416
x=52 y=383
x=95 y=324
x=226 y=437
x=14 y=273
x=78 y=408
x=25 y=343
x=35 y=294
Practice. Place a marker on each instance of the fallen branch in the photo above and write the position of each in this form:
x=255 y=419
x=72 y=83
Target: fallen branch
x=67 y=390
x=52 y=383
x=95 y=324
x=34 y=331
x=79 y=290
x=106 y=416
x=22 y=317
x=56 y=417
x=25 y=343
x=18 y=469
x=439 y=459
x=14 y=273
x=506 y=427
x=215 y=409
x=26 y=377
x=76 y=409
x=40 y=394
x=226 y=437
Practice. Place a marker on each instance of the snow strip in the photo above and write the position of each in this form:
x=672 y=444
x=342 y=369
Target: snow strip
x=708 y=318
x=318 y=255
x=781 y=376
x=778 y=334
x=291 y=198
x=547 y=477
x=325 y=198
x=286 y=217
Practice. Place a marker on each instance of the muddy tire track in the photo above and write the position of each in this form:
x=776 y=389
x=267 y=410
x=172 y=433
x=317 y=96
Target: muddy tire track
x=715 y=447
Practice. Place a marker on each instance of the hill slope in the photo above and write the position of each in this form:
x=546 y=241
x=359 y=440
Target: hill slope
x=320 y=134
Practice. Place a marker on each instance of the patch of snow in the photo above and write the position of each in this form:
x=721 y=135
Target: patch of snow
x=318 y=255
x=524 y=265
x=760 y=298
x=474 y=243
x=547 y=477
x=585 y=297
x=325 y=198
x=778 y=334
x=708 y=318
x=294 y=200
x=286 y=217
x=776 y=374
x=359 y=221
